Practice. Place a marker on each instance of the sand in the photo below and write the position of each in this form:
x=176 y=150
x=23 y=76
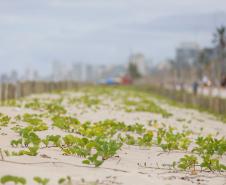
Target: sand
x=127 y=168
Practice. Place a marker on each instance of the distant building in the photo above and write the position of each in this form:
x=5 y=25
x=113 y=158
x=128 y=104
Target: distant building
x=4 y=78
x=13 y=77
x=139 y=60
x=164 y=65
x=210 y=53
x=90 y=73
x=115 y=71
x=101 y=72
x=187 y=53
x=76 y=72
x=36 y=75
x=59 y=71
x=214 y=58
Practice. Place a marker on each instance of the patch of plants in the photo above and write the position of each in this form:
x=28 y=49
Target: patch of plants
x=54 y=108
x=171 y=140
x=9 y=179
x=188 y=162
x=41 y=181
x=87 y=100
x=66 y=123
x=211 y=151
x=104 y=149
x=146 y=140
x=35 y=104
x=97 y=142
x=31 y=151
x=55 y=140
x=4 y=120
x=28 y=137
x=35 y=121
x=13 y=179
x=141 y=102
x=65 y=181
x=95 y=151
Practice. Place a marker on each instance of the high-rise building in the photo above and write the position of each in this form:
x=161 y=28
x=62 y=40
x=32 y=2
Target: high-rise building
x=76 y=72
x=59 y=71
x=90 y=73
x=187 y=53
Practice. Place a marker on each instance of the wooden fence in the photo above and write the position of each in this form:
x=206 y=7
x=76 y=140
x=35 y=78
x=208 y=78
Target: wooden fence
x=207 y=103
x=10 y=91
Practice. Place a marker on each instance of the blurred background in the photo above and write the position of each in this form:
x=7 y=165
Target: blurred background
x=172 y=43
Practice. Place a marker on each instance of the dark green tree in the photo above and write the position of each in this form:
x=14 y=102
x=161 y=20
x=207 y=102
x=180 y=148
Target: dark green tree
x=220 y=41
x=220 y=37
x=133 y=71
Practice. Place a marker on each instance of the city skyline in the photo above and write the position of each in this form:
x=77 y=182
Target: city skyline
x=36 y=33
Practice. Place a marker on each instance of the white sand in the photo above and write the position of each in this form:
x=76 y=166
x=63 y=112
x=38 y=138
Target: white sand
x=118 y=170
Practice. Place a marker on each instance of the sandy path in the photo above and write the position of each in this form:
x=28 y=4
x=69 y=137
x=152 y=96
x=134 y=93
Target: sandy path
x=127 y=168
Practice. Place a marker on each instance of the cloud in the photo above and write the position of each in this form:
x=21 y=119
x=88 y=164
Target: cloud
x=98 y=31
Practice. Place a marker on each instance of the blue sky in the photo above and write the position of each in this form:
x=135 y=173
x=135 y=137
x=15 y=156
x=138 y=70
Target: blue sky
x=34 y=33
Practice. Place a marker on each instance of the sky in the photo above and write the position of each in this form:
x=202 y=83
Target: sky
x=35 y=33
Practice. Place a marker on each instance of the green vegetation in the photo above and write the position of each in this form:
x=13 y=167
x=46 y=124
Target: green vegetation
x=55 y=140
x=34 y=104
x=54 y=108
x=211 y=150
x=94 y=142
x=170 y=140
x=35 y=122
x=4 y=120
x=65 y=181
x=144 y=105
x=87 y=100
x=32 y=151
x=14 y=179
x=42 y=181
x=65 y=123
x=188 y=162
